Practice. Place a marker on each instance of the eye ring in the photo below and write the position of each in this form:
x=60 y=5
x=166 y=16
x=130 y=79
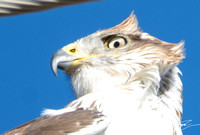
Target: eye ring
x=116 y=42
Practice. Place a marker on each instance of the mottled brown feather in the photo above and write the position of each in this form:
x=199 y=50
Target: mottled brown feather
x=57 y=125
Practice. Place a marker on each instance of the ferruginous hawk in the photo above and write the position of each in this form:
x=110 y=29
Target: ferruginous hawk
x=126 y=81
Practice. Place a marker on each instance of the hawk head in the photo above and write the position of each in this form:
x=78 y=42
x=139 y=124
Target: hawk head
x=117 y=58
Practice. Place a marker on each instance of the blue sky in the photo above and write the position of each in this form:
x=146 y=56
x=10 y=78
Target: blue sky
x=27 y=42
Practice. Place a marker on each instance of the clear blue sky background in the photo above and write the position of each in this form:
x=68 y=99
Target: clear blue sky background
x=27 y=42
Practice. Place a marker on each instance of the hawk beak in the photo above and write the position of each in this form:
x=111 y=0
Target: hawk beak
x=61 y=60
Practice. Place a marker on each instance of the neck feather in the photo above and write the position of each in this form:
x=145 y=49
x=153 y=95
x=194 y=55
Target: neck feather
x=149 y=90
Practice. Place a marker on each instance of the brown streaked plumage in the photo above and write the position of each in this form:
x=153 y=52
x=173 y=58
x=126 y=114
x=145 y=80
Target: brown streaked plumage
x=57 y=125
x=127 y=82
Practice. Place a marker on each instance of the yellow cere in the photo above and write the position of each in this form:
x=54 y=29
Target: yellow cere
x=71 y=48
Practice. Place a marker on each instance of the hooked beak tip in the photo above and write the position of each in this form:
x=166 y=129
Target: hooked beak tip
x=55 y=72
x=54 y=66
x=61 y=60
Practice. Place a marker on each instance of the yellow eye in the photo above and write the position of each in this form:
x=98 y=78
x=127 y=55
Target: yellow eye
x=116 y=42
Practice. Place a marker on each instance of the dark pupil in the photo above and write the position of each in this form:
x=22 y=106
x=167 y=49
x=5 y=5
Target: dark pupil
x=116 y=44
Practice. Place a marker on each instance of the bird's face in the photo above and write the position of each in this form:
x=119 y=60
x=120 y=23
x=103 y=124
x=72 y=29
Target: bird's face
x=99 y=49
x=119 y=52
x=95 y=50
x=123 y=44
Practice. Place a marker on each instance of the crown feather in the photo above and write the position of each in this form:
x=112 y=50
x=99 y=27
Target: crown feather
x=128 y=26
